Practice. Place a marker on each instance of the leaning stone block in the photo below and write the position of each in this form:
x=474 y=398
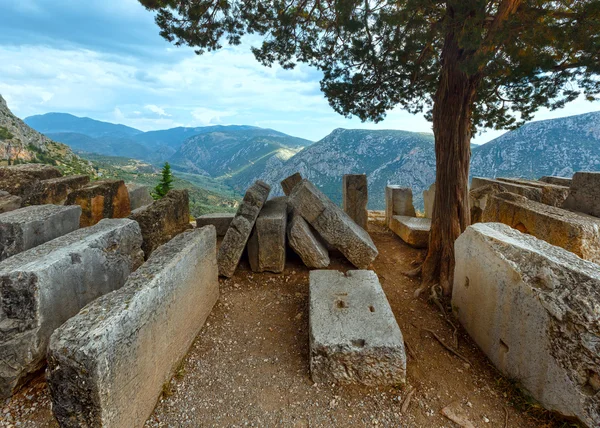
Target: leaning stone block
x=333 y=224
x=102 y=199
x=289 y=183
x=354 y=337
x=355 y=197
x=398 y=201
x=412 y=230
x=529 y=192
x=43 y=287
x=19 y=179
x=429 y=199
x=559 y=181
x=479 y=197
x=584 y=196
x=139 y=195
x=107 y=365
x=266 y=246
x=9 y=202
x=306 y=243
x=55 y=190
x=575 y=232
x=221 y=221
x=29 y=227
x=533 y=309
x=238 y=233
x=551 y=194
x=163 y=219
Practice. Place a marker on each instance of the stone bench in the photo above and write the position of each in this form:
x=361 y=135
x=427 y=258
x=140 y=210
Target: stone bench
x=354 y=336
x=266 y=246
x=107 y=365
x=221 y=221
x=532 y=193
x=101 y=199
x=43 y=287
x=533 y=308
x=398 y=201
x=26 y=228
x=412 y=230
x=139 y=195
x=552 y=194
x=575 y=232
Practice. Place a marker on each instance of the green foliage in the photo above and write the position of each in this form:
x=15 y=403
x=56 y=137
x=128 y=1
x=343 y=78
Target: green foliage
x=166 y=182
x=5 y=134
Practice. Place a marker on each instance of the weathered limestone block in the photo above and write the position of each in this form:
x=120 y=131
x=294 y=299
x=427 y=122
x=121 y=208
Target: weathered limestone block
x=45 y=286
x=398 y=201
x=54 y=190
x=355 y=197
x=559 y=181
x=333 y=224
x=551 y=194
x=529 y=192
x=305 y=241
x=221 y=221
x=478 y=199
x=238 y=233
x=102 y=199
x=412 y=230
x=29 y=227
x=139 y=195
x=533 y=308
x=163 y=219
x=585 y=193
x=354 y=337
x=429 y=199
x=289 y=183
x=266 y=246
x=18 y=180
x=575 y=232
x=107 y=365
x=9 y=202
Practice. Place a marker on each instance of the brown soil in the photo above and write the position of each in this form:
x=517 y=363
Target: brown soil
x=249 y=365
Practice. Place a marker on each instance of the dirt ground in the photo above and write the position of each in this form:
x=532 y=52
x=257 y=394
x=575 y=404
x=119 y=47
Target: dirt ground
x=249 y=365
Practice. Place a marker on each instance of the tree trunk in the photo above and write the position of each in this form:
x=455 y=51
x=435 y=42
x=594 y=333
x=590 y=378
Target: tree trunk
x=452 y=129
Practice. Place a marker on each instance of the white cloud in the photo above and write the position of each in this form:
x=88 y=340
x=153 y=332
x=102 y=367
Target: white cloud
x=206 y=116
x=156 y=109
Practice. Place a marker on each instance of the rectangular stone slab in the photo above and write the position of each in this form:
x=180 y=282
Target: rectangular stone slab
x=19 y=179
x=9 y=202
x=575 y=232
x=266 y=246
x=355 y=197
x=398 y=201
x=29 y=227
x=529 y=192
x=107 y=365
x=551 y=194
x=101 y=199
x=559 y=181
x=584 y=196
x=354 y=336
x=221 y=221
x=289 y=183
x=139 y=195
x=306 y=243
x=412 y=230
x=55 y=190
x=240 y=229
x=533 y=309
x=333 y=224
x=45 y=286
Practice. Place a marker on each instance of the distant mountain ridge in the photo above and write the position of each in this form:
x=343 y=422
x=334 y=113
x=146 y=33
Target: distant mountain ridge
x=64 y=122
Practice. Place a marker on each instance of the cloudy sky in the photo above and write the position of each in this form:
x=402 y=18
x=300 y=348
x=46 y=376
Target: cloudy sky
x=104 y=59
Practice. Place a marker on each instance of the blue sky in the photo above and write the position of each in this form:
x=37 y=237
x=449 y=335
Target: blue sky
x=104 y=59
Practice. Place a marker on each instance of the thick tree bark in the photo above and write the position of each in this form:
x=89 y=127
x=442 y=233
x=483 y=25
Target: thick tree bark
x=452 y=128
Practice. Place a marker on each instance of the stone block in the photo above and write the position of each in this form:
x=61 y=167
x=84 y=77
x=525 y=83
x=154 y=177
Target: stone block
x=532 y=193
x=9 y=202
x=479 y=197
x=43 y=287
x=354 y=336
x=18 y=180
x=54 y=190
x=305 y=241
x=551 y=194
x=107 y=365
x=289 y=183
x=584 y=196
x=533 y=310
x=266 y=246
x=575 y=232
x=163 y=219
x=429 y=199
x=398 y=201
x=139 y=195
x=412 y=230
x=355 y=197
x=241 y=227
x=559 y=181
x=221 y=221
x=101 y=199
x=333 y=224
x=26 y=228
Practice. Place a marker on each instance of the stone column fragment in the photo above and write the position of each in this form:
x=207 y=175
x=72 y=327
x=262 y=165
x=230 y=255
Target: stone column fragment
x=355 y=197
